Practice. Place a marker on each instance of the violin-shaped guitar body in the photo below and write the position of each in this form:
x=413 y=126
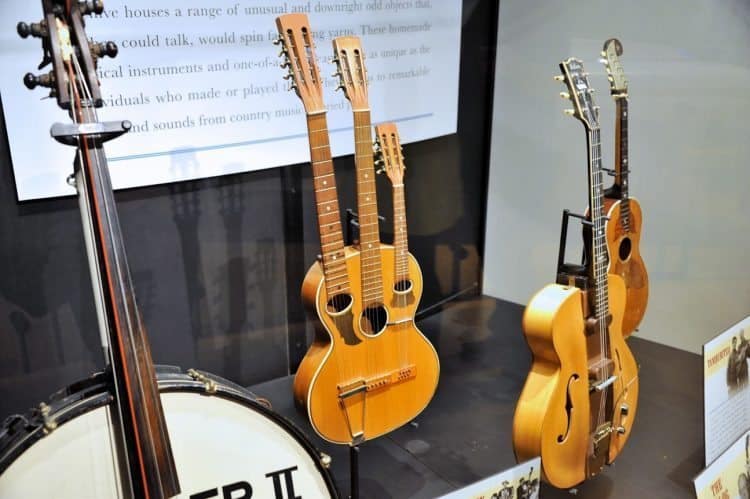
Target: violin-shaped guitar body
x=355 y=386
x=623 y=242
x=554 y=417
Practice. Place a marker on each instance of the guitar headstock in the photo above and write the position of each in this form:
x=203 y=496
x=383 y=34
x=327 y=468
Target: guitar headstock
x=298 y=50
x=390 y=157
x=579 y=92
x=67 y=47
x=350 y=69
x=618 y=84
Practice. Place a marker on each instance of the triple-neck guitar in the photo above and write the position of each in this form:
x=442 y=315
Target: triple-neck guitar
x=369 y=369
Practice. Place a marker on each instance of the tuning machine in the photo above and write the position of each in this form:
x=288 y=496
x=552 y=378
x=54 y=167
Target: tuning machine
x=559 y=78
x=88 y=7
x=104 y=49
x=46 y=80
x=569 y=112
x=37 y=30
x=564 y=95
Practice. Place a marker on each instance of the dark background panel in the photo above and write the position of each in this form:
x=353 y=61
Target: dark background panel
x=218 y=263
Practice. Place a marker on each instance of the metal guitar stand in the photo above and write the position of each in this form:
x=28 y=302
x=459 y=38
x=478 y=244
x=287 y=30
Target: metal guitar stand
x=352 y=227
x=94 y=134
x=354 y=471
x=571 y=274
x=352 y=237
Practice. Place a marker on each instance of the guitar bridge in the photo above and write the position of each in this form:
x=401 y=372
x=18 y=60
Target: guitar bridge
x=377 y=382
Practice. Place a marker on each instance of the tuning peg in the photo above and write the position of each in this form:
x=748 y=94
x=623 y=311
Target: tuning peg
x=603 y=53
x=293 y=87
x=288 y=76
x=108 y=49
x=603 y=61
x=278 y=40
x=569 y=112
x=285 y=65
x=337 y=74
x=340 y=87
x=565 y=95
x=32 y=81
x=610 y=77
x=37 y=30
x=335 y=60
x=558 y=78
x=283 y=52
x=91 y=6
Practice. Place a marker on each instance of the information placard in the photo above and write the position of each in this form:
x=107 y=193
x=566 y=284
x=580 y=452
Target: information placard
x=201 y=83
x=728 y=477
x=519 y=482
x=726 y=391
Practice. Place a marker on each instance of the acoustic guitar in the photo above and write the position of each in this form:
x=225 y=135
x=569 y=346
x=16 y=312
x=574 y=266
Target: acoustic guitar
x=579 y=401
x=624 y=212
x=361 y=378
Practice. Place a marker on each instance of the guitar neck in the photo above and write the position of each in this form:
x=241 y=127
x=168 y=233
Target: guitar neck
x=367 y=205
x=599 y=260
x=327 y=202
x=144 y=431
x=400 y=233
x=622 y=165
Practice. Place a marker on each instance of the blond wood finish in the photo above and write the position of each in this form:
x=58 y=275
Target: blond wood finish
x=631 y=268
x=334 y=361
x=552 y=417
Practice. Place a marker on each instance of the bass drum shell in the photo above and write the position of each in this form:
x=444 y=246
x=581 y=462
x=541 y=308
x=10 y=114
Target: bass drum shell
x=225 y=444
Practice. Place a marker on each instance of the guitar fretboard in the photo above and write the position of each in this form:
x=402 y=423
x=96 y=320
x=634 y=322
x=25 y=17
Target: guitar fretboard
x=400 y=237
x=599 y=254
x=367 y=205
x=621 y=161
x=327 y=202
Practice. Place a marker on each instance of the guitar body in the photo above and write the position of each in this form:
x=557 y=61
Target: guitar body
x=553 y=416
x=391 y=376
x=626 y=261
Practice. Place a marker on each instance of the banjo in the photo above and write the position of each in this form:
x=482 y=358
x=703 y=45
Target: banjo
x=136 y=430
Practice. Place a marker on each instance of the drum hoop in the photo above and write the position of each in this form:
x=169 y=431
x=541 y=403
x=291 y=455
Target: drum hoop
x=66 y=405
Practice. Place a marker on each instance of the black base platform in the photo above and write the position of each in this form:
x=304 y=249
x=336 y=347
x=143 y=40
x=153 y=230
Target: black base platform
x=464 y=435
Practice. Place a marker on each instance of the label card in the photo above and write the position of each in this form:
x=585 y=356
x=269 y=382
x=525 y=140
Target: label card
x=519 y=482
x=726 y=392
x=728 y=477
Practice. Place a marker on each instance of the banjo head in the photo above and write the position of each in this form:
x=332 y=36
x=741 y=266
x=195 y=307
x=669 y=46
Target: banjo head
x=225 y=442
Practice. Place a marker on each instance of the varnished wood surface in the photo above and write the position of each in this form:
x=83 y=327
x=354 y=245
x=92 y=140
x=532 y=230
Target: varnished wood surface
x=464 y=435
x=631 y=269
x=341 y=354
x=552 y=418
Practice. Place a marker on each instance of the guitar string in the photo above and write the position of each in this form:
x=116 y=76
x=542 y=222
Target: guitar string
x=89 y=114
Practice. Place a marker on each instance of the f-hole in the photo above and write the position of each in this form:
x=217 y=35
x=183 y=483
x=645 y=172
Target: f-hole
x=568 y=408
x=625 y=247
x=373 y=320
x=339 y=304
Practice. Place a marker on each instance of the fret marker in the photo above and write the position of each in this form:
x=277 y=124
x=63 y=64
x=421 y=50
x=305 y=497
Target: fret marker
x=368 y=199
x=369 y=245
x=325 y=182
x=328 y=208
x=365 y=175
x=334 y=257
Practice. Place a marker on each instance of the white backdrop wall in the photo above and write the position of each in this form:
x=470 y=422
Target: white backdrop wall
x=688 y=63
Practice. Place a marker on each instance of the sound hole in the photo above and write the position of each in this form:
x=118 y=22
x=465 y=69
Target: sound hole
x=568 y=408
x=625 y=247
x=374 y=319
x=403 y=285
x=338 y=304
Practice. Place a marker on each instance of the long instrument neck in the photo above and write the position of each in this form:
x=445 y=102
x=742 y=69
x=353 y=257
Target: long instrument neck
x=327 y=202
x=149 y=456
x=400 y=236
x=599 y=255
x=367 y=205
x=622 y=166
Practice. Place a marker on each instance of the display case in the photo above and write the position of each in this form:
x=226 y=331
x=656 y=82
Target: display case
x=494 y=331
